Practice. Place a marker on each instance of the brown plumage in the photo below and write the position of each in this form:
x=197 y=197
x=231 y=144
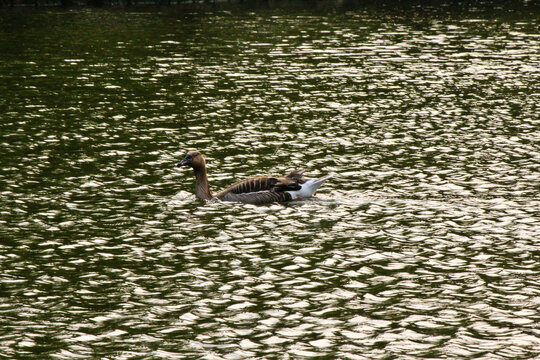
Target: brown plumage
x=257 y=190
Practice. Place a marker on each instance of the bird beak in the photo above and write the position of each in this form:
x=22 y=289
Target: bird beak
x=185 y=161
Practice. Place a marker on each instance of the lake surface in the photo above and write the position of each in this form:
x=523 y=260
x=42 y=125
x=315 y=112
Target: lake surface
x=426 y=243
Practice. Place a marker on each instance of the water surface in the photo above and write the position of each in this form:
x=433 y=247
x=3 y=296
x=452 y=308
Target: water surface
x=425 y=244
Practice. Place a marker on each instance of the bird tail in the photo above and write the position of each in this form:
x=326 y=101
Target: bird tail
x=311 y=185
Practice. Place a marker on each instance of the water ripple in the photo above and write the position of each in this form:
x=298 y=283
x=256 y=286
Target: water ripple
x=423 y=245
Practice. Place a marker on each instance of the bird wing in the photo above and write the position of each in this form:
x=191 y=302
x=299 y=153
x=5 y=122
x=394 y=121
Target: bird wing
x=262 y=183
x=251 y=185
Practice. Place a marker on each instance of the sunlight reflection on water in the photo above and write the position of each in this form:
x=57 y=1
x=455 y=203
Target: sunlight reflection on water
x=424 y=245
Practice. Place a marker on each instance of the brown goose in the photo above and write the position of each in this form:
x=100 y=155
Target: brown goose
x=257 y=190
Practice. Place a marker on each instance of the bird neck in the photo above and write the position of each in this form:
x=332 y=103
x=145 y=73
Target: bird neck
x=202 y=190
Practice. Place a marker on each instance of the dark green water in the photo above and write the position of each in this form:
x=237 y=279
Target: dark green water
x=425 y=245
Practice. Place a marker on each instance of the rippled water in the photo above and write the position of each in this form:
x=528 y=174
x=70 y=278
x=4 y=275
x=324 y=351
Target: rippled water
x=425 y=244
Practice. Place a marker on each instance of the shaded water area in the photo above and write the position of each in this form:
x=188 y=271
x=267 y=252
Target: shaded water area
x=426 y=244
